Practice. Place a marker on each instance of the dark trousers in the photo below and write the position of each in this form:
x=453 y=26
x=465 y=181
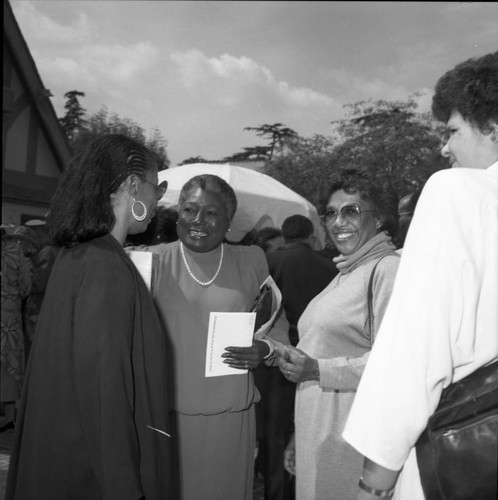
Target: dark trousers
x=274 y=426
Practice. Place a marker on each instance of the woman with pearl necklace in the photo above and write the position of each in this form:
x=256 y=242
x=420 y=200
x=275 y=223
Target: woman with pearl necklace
x=213 y=417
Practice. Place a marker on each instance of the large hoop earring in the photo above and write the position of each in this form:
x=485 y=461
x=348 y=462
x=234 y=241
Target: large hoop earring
x=137 y=217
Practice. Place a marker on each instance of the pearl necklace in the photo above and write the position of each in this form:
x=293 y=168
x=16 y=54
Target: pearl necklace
x=203 y=283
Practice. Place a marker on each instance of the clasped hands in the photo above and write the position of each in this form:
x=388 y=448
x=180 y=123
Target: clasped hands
x=294 y=364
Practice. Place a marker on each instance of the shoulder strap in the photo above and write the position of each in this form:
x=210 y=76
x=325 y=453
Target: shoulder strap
x=370 y=302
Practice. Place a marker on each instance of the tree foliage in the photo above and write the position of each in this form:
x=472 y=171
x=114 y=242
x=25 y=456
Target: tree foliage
x=280 y=139
x=307 y=168
x=102 y=122
x=193 y=159
x=259 y=153
x=387 y=137
x=391 y=138
x=73 y=121
x=157 y=143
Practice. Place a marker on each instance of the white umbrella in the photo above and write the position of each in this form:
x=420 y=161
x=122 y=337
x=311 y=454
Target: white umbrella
x=262 y=200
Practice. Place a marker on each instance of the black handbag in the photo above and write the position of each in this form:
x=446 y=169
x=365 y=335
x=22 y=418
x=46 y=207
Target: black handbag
x=457 y=452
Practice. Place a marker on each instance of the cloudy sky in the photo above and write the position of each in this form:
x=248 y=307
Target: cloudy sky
x=201 y=71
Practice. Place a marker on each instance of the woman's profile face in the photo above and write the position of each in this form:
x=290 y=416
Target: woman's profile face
x=467 y=146
x=149 y=194
x=202 y=220
x=348 y=230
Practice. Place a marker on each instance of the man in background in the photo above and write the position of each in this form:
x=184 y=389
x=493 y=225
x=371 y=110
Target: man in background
x=299 y=271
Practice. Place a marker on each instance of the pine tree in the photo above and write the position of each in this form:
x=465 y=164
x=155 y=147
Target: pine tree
x=73 y=122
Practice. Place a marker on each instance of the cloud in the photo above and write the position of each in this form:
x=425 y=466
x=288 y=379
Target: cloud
x=176 y=74
x=232 y=80
x=45 y=31
x=72 y=55
x=222 y=95
x=98 y=66
x=353 y=87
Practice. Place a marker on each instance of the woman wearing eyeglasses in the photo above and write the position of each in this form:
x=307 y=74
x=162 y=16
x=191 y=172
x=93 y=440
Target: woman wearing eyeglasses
x=336 y=333
x=94 y=411
x=443 y=311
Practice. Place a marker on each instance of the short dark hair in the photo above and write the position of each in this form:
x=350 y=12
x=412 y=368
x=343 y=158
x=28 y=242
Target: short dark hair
x=81 y=208
x=411 y=200
x=165 y=229
x=216 y=185
x=297 y=227
x=406 y=215
x=471 y=88
x=264 y=235
x=373 y=187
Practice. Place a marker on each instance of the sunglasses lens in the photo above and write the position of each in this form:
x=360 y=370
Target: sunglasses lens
x=350 y=213
x=329 y=215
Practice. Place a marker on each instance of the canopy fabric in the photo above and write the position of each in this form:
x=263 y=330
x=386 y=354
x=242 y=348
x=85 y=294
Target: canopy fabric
x=262 y=200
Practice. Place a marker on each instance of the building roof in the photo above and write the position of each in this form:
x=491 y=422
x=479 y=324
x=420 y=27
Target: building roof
x=40 y=96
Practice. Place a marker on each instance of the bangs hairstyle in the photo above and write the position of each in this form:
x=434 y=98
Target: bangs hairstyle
x=81 y=208
x=471 y=88
x=215 y=184
x=374 y=188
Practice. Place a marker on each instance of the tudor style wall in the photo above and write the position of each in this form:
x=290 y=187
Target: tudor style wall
x=34 y=148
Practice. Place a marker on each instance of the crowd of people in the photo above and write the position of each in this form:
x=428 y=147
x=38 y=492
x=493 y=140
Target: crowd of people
x=27 y=259
x=106 y=379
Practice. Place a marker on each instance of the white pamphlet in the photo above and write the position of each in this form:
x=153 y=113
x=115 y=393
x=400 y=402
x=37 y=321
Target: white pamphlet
x=227 y=329
x=144 y=262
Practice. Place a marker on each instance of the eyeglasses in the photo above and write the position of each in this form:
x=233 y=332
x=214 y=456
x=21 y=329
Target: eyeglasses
x=349 y=213
x=160 y=189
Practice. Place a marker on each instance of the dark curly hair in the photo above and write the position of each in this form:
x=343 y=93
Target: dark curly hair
x=471 y=88
x=81 y=208
x=374 y=188
x=216 y=185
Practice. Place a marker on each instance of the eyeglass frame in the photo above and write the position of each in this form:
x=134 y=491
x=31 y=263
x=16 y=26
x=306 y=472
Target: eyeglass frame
x=160 y=188
x=327 y=218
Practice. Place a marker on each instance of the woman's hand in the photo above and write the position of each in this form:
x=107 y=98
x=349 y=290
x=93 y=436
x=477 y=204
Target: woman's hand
x=377 y=477
x=290 y=456
x=297 y=366
x=245 y=358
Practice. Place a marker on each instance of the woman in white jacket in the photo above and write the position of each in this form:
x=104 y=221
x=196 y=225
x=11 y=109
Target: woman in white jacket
x=442 y=321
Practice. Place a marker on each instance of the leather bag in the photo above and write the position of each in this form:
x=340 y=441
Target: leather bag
x=457 y=452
